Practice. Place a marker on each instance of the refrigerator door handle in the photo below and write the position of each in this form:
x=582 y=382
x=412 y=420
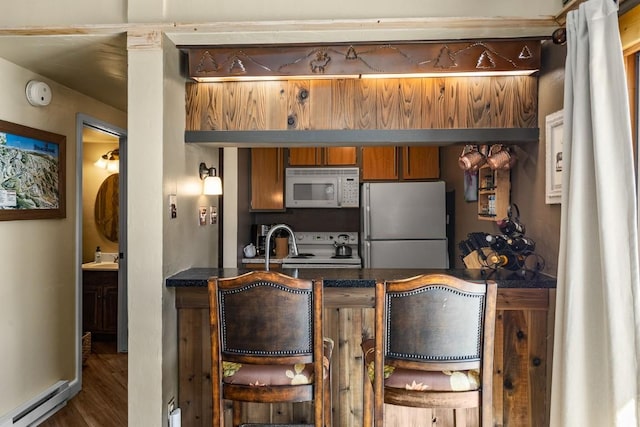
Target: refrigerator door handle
x=366 y=217
x=366 y=256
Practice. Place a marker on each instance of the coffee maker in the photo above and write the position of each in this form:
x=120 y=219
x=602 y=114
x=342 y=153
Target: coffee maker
x=259 y=236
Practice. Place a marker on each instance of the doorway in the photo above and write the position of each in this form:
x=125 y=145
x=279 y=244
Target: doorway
x=101 y=213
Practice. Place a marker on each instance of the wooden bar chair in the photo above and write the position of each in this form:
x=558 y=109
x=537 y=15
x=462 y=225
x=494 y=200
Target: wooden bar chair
x=267 y=344
x=433 y=346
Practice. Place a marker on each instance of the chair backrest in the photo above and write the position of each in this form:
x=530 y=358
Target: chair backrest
x=434 y=322
x=265 y=317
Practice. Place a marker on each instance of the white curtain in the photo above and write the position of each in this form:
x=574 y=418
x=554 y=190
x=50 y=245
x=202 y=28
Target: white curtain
x=597 y=331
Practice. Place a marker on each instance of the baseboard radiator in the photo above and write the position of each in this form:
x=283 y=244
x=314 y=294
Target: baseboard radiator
x=39 y=408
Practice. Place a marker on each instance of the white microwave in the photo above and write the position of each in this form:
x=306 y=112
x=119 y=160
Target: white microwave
x=322 y=188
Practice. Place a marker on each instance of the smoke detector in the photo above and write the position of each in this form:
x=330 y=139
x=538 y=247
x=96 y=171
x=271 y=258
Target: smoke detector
x=38 y=93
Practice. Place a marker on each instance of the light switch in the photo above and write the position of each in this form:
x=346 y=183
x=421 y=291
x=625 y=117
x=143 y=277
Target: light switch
x=213 y=215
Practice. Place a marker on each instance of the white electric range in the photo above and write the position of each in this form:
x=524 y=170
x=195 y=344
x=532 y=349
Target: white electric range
x=318 y=250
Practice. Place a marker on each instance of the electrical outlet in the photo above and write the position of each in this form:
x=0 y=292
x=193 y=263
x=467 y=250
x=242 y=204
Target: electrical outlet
x=171 y=406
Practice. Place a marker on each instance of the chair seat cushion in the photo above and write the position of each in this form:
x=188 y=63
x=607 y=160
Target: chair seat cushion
x=410 y=379
x=274 y=375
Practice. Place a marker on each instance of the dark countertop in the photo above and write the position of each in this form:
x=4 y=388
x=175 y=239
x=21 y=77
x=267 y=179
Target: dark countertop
x=367 y=277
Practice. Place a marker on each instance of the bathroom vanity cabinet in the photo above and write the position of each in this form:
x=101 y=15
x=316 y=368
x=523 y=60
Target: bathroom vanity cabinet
x=100 y=302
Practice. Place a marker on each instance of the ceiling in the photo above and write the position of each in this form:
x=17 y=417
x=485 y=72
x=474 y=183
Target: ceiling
x=95 y=65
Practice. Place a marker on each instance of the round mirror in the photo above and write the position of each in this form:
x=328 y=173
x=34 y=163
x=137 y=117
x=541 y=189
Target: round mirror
x=107 y=208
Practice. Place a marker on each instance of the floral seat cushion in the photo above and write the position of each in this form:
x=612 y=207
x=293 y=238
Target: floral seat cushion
x=274 y=375
x=409 y=379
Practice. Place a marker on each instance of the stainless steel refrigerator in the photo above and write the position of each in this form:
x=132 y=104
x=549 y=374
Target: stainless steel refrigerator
x=404 y=225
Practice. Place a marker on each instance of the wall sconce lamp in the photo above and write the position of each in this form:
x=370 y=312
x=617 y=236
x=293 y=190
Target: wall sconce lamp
x=212 y=185
x=110 y=161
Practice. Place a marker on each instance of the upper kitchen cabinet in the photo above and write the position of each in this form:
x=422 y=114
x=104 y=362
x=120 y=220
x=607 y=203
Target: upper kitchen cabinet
x=267 y=179
x=322 y=156
x=405 y=163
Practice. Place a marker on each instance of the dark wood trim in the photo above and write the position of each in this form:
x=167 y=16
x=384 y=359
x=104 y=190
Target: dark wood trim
x=354 y=59
x=316 y=138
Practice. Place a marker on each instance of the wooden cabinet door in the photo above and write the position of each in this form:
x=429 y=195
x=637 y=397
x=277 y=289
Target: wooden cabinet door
x=420 y=163
x=110 y=308
x=91 y=307
x=379 y=163
x=319 y=156
x=340 y=156
x=305 y=156
x=267 y=179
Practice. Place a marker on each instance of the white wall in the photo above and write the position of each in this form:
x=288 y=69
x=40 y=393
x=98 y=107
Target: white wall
x=37 y=267
x=74 y=12
x=275 y=10
x=160 y=246
x=32 y=13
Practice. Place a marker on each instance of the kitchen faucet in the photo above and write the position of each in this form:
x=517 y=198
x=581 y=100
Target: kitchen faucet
x=267 y=242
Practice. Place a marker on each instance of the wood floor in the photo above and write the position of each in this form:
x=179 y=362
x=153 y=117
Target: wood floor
x=102 y=402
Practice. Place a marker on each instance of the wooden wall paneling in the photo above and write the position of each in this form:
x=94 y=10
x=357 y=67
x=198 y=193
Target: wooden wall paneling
x=320 y=104
x=498 y=370
x=410 y=103
x=526 y=105
x=234 y=114
x=467 y=417
x=387 y=104
x=343 y=103
x=440 y=103
x=194 y=106
x=332 y=330
x=273 y=100
x=195 y=366
x=460 y=114
x=523 y=299
x=299 y=100
x=453 y=111
x=516 y=361
x=365 y=103
x=399 y=416
x=538 y=342
x=429 y=103
x=506 y=92
x=478 y=104
x=440 y=417
x=204 y=106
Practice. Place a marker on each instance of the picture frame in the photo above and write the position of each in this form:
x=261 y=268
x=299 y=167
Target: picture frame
x=553 y=170
x=32 y=173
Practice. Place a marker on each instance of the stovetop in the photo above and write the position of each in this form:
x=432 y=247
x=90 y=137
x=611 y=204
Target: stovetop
x=318 y=248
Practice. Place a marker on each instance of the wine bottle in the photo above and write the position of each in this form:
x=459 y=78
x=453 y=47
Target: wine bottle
x=509 y=261
x=497 y=243
x=521 y=244
x=510 y=228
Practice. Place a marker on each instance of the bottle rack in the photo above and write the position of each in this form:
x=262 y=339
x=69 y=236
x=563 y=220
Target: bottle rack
x=494 y=187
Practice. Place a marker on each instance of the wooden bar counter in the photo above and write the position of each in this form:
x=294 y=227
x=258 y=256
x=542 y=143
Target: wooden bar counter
x=523 y=348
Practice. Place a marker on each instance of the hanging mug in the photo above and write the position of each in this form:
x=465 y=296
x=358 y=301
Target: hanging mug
x=500 y=157
x=471 y=159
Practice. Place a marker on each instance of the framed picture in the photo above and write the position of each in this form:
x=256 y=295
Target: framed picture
x=32 y=173
x=554 y=134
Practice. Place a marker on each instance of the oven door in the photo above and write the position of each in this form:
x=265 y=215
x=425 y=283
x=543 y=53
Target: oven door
x=311 y=192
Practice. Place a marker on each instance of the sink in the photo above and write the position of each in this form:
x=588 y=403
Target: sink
x=100 y=266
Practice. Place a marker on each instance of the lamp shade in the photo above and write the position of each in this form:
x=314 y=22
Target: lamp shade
x=212 y=186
